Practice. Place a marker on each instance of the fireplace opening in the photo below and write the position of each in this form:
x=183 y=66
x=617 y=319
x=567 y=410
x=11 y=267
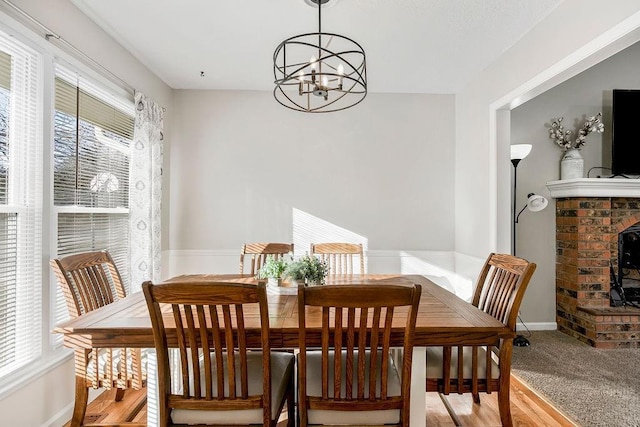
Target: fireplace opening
x=628 y=277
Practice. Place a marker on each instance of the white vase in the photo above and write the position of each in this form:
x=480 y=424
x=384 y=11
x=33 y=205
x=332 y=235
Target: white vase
x=274 y=281
x=294 y=283
x=572 y=164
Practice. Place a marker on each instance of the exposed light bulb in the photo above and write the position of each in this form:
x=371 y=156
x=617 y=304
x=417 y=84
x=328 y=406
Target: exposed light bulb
x=312 y=62
x=325 y=81
x=340 y=75
x=301 y=76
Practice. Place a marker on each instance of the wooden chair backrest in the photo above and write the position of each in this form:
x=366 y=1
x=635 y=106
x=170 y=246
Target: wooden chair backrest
x=88 y=281
x=357 y=318
x=209 y=320
x=259 y=252
x=501 y=286
x=339 y=256
x=499 y=292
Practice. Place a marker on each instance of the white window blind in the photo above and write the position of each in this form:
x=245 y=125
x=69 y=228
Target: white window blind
x=93 y=130
x=20 y=205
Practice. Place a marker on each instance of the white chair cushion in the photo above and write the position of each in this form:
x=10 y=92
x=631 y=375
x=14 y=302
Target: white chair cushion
x=281 y=371
x=434 y=363
x=314 y=388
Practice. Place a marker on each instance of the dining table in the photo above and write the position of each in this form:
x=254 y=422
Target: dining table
x=443 y=319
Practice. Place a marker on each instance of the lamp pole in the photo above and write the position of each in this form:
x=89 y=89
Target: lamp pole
x=515 y=186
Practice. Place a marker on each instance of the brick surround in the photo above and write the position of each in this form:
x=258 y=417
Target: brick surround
x=586 y=240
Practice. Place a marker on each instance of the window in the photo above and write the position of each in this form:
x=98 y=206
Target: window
x=20 y=205
x=92 y=130
x=91 y=150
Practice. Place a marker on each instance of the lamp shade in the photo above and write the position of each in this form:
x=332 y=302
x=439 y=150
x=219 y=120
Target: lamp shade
x=520 y=151
x=536 y=203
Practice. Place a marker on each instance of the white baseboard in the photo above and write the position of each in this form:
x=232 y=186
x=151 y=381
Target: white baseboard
x=537 y=326
x=60 y=418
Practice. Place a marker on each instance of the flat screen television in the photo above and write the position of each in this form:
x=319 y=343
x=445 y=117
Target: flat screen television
x=625 y=139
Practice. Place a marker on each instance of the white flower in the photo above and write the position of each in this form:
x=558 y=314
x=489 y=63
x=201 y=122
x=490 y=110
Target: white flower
x=563 y=138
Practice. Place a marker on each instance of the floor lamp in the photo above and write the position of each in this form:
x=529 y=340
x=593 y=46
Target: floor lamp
x=535 y=203
x=518 y=152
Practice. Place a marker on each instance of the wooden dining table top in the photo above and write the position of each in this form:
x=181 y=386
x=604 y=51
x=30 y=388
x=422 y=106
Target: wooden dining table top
x=443 y=318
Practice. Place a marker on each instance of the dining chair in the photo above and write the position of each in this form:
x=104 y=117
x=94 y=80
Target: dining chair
x=91 y=280
x=499 y=291
x=352 y=378
x=339 y=256
x=258 y=254
x=219 y=380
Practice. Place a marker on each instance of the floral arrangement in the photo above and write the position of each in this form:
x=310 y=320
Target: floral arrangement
x=563 y=137
x=308 y=268
x=273 y=268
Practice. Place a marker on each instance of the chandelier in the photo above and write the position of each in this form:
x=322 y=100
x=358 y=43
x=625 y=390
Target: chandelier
x=319 y=72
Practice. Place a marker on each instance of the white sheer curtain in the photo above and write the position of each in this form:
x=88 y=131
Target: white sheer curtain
x=145 y=192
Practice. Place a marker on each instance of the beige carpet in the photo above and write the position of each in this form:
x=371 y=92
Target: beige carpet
x=595 y=387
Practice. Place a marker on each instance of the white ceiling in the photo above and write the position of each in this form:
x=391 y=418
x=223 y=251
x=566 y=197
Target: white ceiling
x=412 y=46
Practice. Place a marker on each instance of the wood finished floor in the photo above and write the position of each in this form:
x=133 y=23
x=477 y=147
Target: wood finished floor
x=527 y=409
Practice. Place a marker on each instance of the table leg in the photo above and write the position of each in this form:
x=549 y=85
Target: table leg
x=418 y=416
x=504 y=402
x=81 y=399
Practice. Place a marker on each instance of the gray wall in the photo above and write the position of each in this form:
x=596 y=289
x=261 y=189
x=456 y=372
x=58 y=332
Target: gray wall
x=242 y=165
x=585 y=94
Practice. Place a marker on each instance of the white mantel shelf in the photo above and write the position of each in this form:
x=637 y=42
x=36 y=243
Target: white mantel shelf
x=594 y=187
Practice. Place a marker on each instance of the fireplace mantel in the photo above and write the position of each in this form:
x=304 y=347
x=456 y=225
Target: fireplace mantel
x=594 y=187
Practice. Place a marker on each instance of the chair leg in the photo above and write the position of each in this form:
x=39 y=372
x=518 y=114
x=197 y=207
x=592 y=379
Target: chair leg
x=80 y=405
x=476 y=398
x=291 y=404
x=504 y=405
x=119 y=394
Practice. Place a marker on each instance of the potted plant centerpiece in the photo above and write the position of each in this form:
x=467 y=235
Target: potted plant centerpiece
x=273 y=270
x=308 y=269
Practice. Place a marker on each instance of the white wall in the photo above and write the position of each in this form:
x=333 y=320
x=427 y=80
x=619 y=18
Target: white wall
x=47 y=399
x=574 y=34
x=246 y=169
x=585 y=94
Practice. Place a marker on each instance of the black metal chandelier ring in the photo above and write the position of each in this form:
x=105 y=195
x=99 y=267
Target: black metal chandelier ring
x=319 y=72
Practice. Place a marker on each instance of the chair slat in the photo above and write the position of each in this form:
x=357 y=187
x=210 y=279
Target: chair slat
x=325 y=352
x=375 y=340
x=362 y=348
x=218 y=350
x=242 y=350
x=460 y=368
x=203 y=329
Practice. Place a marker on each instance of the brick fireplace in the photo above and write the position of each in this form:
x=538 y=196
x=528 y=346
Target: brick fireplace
x=590 y=213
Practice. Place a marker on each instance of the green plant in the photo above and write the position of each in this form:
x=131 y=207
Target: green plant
x=309 y=268
x=273 y=268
